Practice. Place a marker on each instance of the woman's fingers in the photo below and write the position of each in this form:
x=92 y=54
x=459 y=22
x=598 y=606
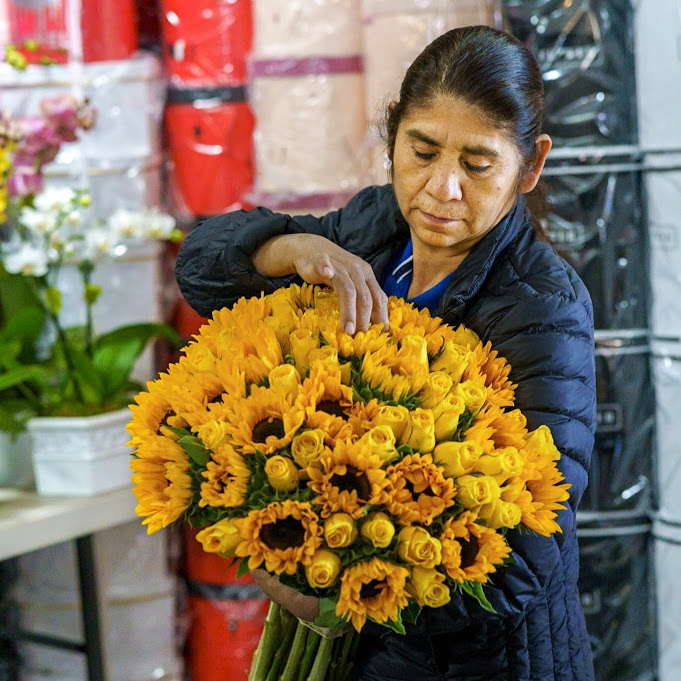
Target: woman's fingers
x=305 y=607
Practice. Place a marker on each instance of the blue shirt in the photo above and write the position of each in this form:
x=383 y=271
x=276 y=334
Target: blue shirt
x=398 y=279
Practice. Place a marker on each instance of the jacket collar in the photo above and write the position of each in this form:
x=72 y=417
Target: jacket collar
x=471 y=274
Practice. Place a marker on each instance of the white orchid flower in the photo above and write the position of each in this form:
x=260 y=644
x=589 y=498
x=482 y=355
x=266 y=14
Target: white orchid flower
x=99 y=242
x=38 y=221
x=28 y=260
x=55 y=200
x=126 y=224
x=158 y=225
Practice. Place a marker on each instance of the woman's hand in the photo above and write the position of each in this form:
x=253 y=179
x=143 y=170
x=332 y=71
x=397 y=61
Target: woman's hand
x=319 y=261
x=305 y=607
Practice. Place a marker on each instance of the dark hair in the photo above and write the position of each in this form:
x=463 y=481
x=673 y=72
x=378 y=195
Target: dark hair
x=488 y=69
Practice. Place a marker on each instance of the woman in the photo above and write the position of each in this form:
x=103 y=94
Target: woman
x=452 y=233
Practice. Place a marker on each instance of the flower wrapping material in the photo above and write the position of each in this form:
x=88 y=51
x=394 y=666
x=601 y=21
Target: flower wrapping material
x=379 y=472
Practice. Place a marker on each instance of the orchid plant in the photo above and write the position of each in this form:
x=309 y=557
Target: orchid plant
x=46 y=369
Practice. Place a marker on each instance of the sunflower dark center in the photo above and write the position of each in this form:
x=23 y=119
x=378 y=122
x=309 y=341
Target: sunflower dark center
x=373 y=588
x=354 y=479
x=216 y=399
x=269 y=426
x=409 y=485
x=283 y=534
x=333 y=408
x=469 y=551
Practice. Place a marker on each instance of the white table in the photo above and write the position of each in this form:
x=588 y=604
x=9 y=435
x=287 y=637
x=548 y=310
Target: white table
x=29 y=521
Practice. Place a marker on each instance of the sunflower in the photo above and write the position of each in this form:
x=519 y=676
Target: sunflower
x=163 y=485
x=470 y=551
x=350 y=479
x=227 y=477
x=481 y=431
x=542 y=498
x=283 y=535
x=418 y=490
x=492 y=371
x=510 y=428
x=395 y=371
x=265 y=421
x=325 y=403
x=374 y=588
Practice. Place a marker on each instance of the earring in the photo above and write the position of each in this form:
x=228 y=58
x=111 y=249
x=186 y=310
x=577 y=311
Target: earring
x=387 y=163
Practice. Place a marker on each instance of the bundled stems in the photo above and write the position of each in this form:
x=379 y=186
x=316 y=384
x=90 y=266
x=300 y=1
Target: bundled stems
x=296 y=653
x=268 y=642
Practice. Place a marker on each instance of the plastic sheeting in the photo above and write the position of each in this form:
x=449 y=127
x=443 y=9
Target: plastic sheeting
x=621 y=472
x=666 y=364
x=668 y=587
x=395 y=32
x=664 y=218
x=658 y=72
x=585 y=51
x=596 y=223
x=617 y=593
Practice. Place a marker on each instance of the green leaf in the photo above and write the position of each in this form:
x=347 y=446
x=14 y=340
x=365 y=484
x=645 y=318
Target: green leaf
x=327 y=613
x=86 y=376
x=195 y=449
x=474 y=589
x=179 y=432
x=242 y=569
x=115 y=353
x=25 y=325
x=411 y=613
x=397 y=626
x=20 y=375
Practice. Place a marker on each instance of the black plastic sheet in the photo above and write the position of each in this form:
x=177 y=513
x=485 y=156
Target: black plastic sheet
x=621 y=472
x=585 y=51
x=616 y=588
x=595 y=222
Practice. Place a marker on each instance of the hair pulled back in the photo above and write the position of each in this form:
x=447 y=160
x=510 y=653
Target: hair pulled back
x=488 y=69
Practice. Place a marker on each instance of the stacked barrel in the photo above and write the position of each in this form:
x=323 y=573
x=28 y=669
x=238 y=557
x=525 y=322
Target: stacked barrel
x=395 y=32
x=137 y=596
x=597 y=221
x=658 y=37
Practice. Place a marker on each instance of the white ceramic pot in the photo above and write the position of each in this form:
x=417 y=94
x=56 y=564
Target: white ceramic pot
x=16 y=470
x=81 y=456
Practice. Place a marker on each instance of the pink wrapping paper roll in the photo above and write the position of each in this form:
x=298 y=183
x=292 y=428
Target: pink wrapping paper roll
x=299 y=28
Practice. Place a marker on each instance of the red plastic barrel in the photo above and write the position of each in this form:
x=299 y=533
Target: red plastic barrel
x=207 y=41
x=210 y=138
x=109 y=28
x=222 y=637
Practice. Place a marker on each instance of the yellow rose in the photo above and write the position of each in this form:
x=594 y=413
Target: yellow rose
x=283 y=308
x=416 y=348
x=212 y=433
x=500 y=514
x=324 y=569
x=540 y=441
x=381 y=439
x=222 y=538
x=282 y=473
x=473 y=394
x=346 y=373
x=308 y=447
x=327 y=356
x=340 y=530
x=437 y=387
x=502 y=464
x=396 y=418
x=284 y=380
x=420 y=432
x=511 y=492
x=303 y=342
x=453 y=360
x=378 y=529
x=417 y=547
x=427 y=587
x=200 y=357
x=280 y=330
x=457 y=458
x=474 y=491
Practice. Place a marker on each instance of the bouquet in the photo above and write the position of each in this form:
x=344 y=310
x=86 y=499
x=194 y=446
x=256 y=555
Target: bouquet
x=379 y=472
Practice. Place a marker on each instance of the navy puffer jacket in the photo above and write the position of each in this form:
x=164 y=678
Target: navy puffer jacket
x=515 y=291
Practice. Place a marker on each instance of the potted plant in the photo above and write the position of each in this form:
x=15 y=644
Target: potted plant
x=70 y=386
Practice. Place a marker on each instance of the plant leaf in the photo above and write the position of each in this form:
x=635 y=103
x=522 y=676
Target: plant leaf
x=242 y=569
x=474 y=589
x=195 y=449
x=20 y=375
x=327 y=613
x=411 y=613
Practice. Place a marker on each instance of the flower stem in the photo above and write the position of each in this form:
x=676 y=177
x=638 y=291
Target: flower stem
x=311 y=646
x=268 y=641
x=288 y=624
x=347 y=655
x=322 y=660
x=295 y=655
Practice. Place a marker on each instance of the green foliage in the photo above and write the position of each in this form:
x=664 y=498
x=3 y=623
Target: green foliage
x=475 y=590
x=327 y=613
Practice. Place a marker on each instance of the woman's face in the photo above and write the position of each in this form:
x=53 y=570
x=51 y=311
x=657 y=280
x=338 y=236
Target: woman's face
x=455 y=175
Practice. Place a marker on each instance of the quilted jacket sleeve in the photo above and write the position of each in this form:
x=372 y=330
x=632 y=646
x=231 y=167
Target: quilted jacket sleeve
x=548 y=340
x=214 y=266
